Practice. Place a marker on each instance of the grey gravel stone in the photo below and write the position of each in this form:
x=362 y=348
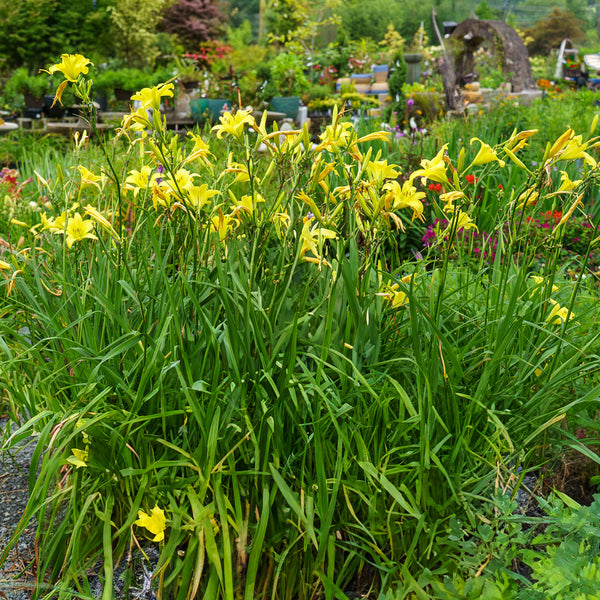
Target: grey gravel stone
x=132 y=578
x=16 y=575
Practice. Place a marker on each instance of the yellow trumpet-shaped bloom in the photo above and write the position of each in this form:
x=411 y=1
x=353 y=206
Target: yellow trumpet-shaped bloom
x=79 y=458
x=396 y=296
x=539 y=281
x=56 y=225
x=338 y=134
x=138 y=180
x=78 y=229
x=380 y=170
x=560 y=143
x=247 y=204
x=71 y=66
x=462 y=221
x=558 y=314
x=201 y=149
x=137 y=120
x=89 y=178
x=199 y=195
x=485 y=155
x=155 y=522
x=406 y=196
x=223 y=224
x=233 y=124
x=574 y=149
x=434 y=169
x=449 y=198
x=313 y=238
x=180 y=181
x=152 y=97
x=526 y=198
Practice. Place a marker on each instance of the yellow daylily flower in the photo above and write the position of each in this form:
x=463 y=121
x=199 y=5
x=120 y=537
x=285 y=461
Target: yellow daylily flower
x=137 y=120
x=485 y=155
x=434 y=169
x=89 y=178
x=527 y=197
x=4 y=266
x=380 y=170
x=201 y=149
x=519 y=140
x=560 y=143
x=313 y=238
x=71 y=66
x=396 y=296
x=161 y=194
x=138 y=180
x=56 y=225
x=234 y=123
x=152 y=97
x=182 y=180
x=558 y=314
x=540 y=282
x=78 y=229
x=222 y=224
x=337 y=134
x=574 y=149
x=449 y=198
x=240 y=170
x=404 y=197
x=247 y=204
x=199 y=195
x=566 y=185
x=155 y=522
x=79 y=458
x=462 y=221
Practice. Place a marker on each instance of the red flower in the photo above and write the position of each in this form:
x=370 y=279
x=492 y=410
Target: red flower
x=435 y=187
x=471 y=178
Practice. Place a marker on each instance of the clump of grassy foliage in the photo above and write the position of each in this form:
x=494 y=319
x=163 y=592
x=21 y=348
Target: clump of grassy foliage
x=222 y=353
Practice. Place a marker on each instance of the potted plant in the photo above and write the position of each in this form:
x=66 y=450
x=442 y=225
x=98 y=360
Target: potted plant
x=188 y=74
x=31 y=87
x=122 y=82
x=286 y=84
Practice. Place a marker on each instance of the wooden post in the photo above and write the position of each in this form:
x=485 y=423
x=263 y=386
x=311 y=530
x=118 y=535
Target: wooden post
x=454 y=101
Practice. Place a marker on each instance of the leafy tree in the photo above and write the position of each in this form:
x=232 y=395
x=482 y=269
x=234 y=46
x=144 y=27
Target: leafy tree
x=135 y=23
x=82 y=26
x=369 y=19
x=192 y=21
x=486 y=12
x=24 y=38
x=244 y=10
x=549 y=32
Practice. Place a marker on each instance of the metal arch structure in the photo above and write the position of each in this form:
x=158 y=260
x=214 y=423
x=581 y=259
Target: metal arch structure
x=504 y=42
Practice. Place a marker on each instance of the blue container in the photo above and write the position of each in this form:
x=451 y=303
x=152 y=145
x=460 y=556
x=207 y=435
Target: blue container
x=288 y=105
x=199 y=109
x=216 y=107
x=204 y=109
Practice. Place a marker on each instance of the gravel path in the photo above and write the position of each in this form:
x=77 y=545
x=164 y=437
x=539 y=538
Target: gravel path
x=16 y=575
